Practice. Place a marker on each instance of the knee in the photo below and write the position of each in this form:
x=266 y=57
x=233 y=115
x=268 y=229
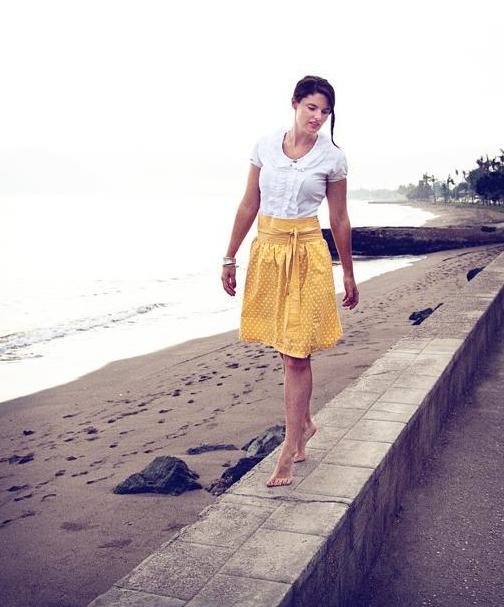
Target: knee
x=296 y=364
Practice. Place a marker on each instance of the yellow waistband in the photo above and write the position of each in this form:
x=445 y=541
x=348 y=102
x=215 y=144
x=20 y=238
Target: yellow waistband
x=282 y=230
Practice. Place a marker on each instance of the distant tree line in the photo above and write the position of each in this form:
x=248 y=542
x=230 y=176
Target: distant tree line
x=482 y=185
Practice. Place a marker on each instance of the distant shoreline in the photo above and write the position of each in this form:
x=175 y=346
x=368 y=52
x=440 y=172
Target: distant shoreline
x=427 y=204
x=452 y=214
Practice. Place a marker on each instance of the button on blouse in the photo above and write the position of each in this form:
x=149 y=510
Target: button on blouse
x=295 y=188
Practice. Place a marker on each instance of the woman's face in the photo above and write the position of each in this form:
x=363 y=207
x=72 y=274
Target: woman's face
x=311 y=112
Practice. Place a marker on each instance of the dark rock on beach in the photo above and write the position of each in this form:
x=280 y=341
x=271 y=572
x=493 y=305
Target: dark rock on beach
x=257 y=449
x=207 y=447
x=263 y=445
x=232 y=474
x=421 y=315
x=165 y=474
x=472 y=273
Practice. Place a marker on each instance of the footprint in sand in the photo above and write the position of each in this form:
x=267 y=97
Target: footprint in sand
x=42 y=483
x=23 y=497
x=24 y=514
x=116 y=544
x=71 y=526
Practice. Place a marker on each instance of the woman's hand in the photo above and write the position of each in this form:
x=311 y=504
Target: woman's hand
x=229 y=279
x=351 y=298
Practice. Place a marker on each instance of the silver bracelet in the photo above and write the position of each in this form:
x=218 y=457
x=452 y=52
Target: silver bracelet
x=228 y=261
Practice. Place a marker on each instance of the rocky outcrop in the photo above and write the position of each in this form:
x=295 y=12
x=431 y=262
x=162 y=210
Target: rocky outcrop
x=206 y=447
x=165 y=474
x=256 y=449
x=232 y=474
x=472 y=273
x=421 y=315
x=410 y=240
x=263 y=445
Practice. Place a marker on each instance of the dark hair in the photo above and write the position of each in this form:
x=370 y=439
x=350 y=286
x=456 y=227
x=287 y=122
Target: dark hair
x=314 y=84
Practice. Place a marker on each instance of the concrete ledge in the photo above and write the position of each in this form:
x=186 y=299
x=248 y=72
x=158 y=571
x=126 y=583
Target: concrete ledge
x=312 y=542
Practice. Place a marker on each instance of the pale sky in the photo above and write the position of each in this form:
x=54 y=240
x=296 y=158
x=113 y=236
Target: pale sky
x=109 y=95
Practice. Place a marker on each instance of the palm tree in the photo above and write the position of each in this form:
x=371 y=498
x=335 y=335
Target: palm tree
x=449 y=181
x=433 y=180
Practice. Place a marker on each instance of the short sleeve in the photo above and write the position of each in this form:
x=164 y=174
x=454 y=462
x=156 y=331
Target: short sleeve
x=254 y=155
x=340 y=168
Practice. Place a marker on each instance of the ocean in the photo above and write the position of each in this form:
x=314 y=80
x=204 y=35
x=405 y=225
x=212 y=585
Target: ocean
x=86 y=280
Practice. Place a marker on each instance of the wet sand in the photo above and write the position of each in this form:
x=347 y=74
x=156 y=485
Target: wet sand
x=65 y=537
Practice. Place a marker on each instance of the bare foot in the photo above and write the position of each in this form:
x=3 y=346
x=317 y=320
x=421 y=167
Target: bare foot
x=307 y=434
x=282 y=474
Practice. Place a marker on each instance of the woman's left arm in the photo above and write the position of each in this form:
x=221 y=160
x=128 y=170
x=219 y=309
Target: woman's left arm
x=341 y=230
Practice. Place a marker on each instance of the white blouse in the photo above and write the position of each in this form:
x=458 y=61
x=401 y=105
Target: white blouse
x=295 y=188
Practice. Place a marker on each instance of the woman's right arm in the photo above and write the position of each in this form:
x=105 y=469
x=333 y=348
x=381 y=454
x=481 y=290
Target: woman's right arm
x=245 y=217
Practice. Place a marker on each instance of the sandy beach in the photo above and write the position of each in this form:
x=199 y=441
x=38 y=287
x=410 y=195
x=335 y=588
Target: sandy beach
x=65 y=537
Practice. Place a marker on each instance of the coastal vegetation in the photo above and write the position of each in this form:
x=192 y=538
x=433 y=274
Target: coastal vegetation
x=480 y=186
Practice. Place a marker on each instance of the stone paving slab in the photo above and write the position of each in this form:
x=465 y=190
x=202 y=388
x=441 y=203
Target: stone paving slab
x=134 y=598
x=178 y=570
x=287 y=559
x=354 y=399
x=366 y=454
x=311 y=543
x=244 y=591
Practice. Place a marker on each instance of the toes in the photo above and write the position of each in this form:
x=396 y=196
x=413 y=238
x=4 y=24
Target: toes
x=275 y=482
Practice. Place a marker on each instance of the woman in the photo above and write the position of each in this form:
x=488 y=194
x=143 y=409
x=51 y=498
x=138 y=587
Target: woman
x=289 y=298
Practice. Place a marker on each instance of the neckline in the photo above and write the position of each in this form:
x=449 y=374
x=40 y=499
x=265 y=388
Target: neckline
x=284 y=132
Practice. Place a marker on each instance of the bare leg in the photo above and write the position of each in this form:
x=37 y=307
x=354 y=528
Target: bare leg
x=309 y=428
x=297 y=391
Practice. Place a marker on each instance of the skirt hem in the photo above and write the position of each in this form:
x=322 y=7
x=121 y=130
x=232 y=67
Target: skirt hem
x=291 y=352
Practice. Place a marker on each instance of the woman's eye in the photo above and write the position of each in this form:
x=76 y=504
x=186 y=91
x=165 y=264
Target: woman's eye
x=312 y=107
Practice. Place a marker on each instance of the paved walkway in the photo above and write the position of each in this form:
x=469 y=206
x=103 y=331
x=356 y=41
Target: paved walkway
x=446 y=548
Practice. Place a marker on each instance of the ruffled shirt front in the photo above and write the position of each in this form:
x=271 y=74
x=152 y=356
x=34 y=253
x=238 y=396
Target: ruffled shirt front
x=295 y=188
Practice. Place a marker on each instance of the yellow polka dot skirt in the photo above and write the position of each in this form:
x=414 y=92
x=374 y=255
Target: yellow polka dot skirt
x=289 y=299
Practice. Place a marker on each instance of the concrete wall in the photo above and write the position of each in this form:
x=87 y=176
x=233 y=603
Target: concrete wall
x=311 y=543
